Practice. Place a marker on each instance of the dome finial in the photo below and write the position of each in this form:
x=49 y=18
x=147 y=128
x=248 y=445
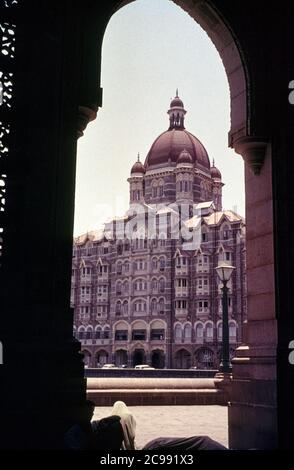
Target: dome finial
x=213 y=162
x=176 y=113
x=138 y=157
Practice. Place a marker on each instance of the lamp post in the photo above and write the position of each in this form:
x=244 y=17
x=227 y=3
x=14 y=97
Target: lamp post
x=224 y=272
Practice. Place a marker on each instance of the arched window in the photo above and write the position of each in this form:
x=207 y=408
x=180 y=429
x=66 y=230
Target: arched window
x=187 y=333
x=199 y=331
x=106 y=332
x=232 y=330
x=118 y=288
x=162 y=264
x=126 y=288
x=153 y=306
x=119 y=268
x=154 y=264
x=125 y=307
x=220 y=331
x=89 y=332
x=118 y=309
x=98 y=331
x=178 y=333
x=209 y=331
x=81 y=333
x=161 y=306
x=162 y=285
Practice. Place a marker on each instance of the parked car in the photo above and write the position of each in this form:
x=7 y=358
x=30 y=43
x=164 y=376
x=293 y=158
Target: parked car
x=109 y=366
x=143 y=366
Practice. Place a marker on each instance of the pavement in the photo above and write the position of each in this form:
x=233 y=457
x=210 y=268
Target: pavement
x=176 y=421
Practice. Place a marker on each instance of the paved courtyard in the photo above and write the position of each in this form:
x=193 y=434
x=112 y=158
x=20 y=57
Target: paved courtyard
x=176 y=421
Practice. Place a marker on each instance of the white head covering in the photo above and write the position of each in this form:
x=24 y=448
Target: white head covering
x=128 y=423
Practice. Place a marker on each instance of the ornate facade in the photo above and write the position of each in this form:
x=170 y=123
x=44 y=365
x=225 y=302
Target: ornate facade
x=145 y=288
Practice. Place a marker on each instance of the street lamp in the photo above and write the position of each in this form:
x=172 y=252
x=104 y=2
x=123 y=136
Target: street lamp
x=224 y=272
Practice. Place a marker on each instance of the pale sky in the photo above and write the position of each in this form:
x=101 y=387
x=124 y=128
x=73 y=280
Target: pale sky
x=150 y=48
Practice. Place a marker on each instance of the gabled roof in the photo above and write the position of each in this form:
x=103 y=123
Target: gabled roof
x=217 y=217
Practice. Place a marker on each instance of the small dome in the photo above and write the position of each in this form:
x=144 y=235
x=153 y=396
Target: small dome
x=138 y=167
x=185 y=157
x=177 y=103
x=215 y=173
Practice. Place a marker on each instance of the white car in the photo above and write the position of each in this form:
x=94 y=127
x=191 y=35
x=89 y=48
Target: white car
x=109 y=366
x=143 y=366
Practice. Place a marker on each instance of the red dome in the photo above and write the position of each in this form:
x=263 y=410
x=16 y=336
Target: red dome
x=177 y=102
x=171 y=143
x=215 y=173
x=138 y=167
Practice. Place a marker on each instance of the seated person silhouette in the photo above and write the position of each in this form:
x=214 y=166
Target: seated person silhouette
x=80 y=435
x=100 y=435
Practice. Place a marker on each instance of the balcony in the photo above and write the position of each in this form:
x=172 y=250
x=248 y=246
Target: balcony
x=181 y=313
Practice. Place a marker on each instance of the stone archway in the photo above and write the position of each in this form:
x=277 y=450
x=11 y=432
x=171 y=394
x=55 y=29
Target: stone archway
x=158 y=359
x=182 y=359
x=101 y=357
x=71 y=86
x=138 y=357
x=121 y=357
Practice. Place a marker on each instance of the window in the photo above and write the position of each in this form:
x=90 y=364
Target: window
x=86 y=271
x=226 y=233
x=119 y=268
x=126 y=267
x=227 y=256
x=121 y=335
x=178 y=332
x=139 y=335
x=199 y=331
x=88 y=334
x=157 y=335
x=209 y=331
x=118 y=309
x=162 y=264
x=140 y=285
x=204 y=237
x=125 y=307
x=161 y=285
x=98 y=334
x=118 y=289
x=153 y=306
x=232 y=330
x=140 y=306
x=161 y=306
x=160 y=191
x=106 y=333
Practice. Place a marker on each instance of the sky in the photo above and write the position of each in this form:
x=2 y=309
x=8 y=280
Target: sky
x=151 y=48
